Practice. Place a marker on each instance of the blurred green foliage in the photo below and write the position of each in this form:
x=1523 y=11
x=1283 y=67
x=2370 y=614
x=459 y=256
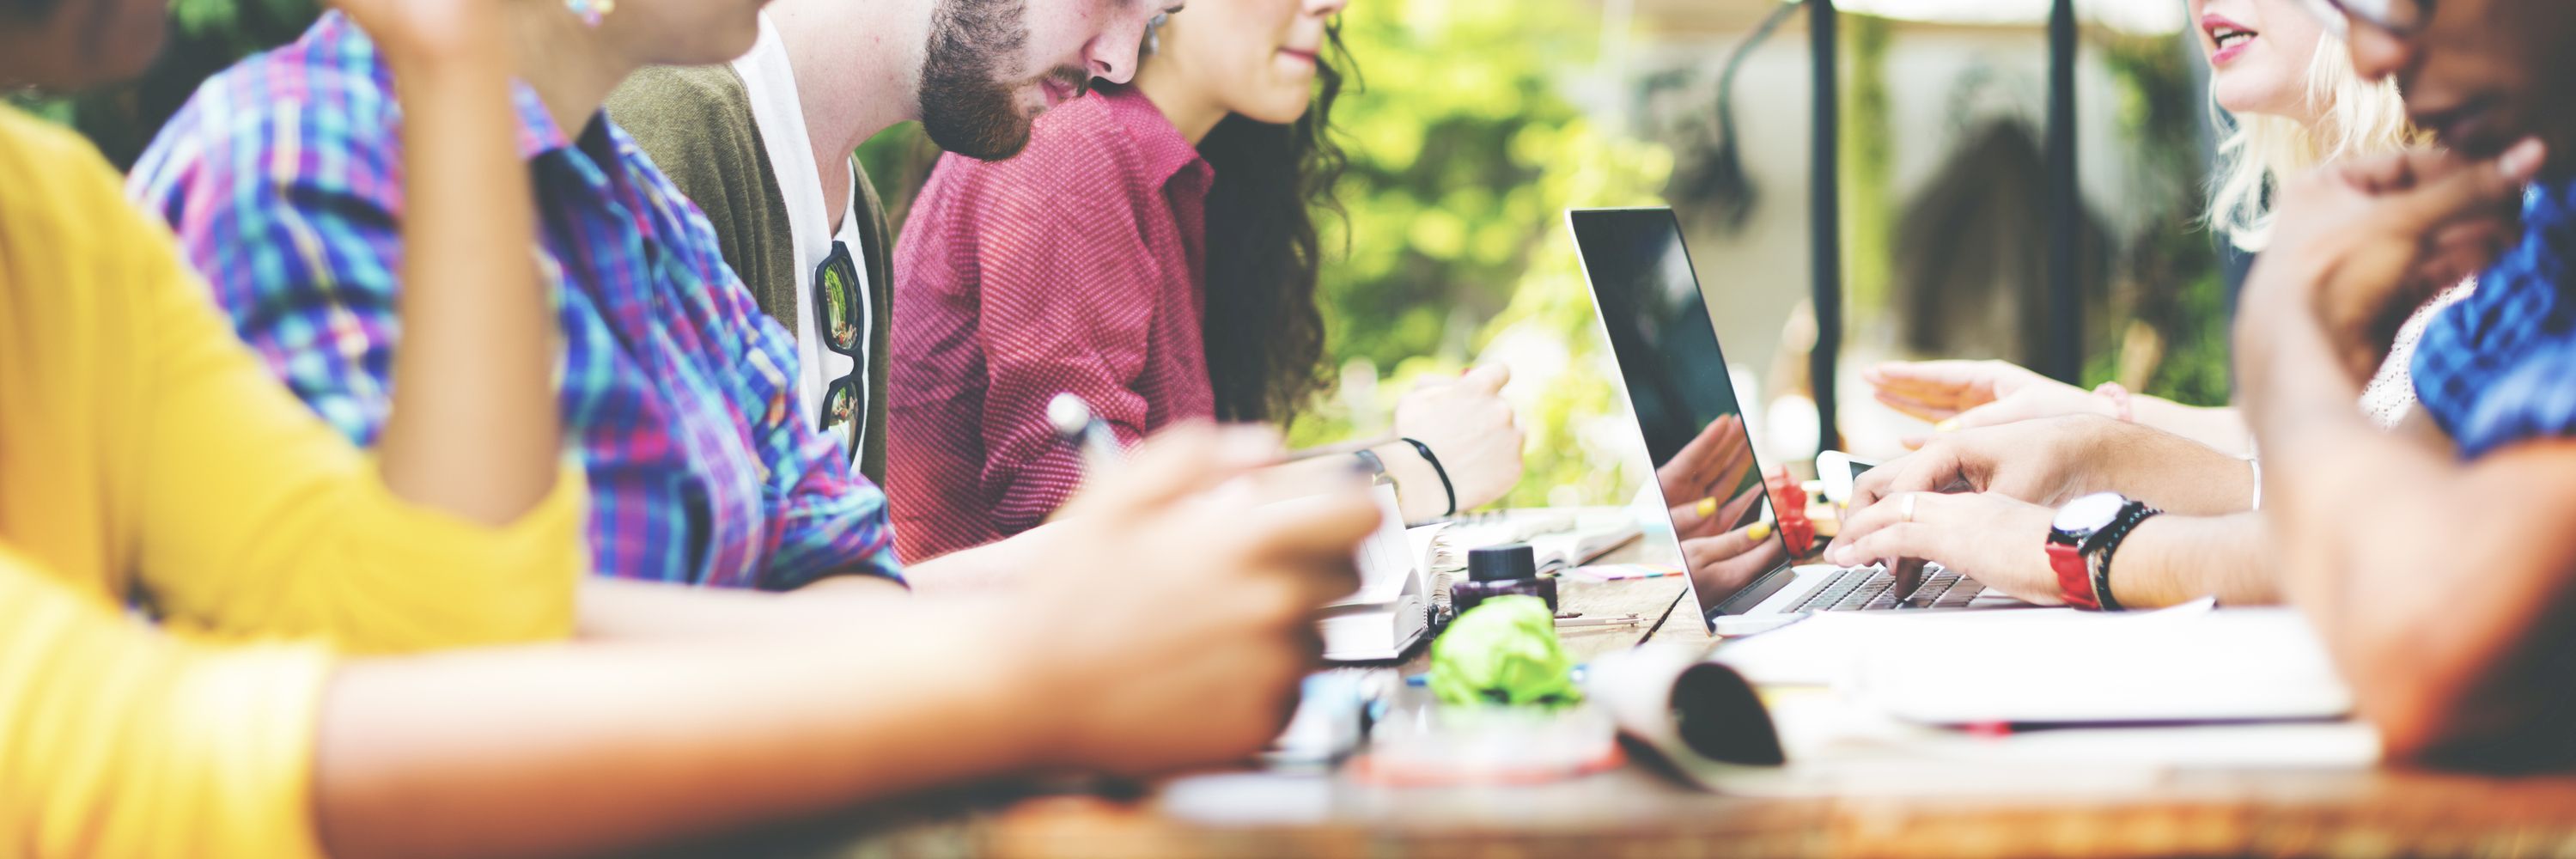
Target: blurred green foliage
x=1464 y=155
x=2170 y=283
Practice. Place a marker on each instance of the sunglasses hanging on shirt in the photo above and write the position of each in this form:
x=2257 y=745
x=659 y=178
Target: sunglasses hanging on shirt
x=836 y=322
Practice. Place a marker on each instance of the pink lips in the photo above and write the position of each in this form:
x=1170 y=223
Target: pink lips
x=1306 y=56
x=2230 y=39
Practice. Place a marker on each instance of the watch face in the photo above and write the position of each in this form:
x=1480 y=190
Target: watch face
x=2088 y=514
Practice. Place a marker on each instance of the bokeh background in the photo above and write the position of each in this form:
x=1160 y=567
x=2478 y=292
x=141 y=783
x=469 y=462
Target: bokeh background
x=1475 y=123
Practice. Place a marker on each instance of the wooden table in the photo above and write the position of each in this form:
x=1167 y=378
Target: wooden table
x=1638 y=811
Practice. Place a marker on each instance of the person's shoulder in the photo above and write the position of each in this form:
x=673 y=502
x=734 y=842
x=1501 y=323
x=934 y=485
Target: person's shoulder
x=56 y=184
x=695 y=123
x=704 y=98
x=1080 y=136
x=35 y=151
x=332 y=75
x=327 y=92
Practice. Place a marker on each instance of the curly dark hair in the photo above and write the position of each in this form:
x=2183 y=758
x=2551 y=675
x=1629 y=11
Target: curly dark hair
x=1264 y=333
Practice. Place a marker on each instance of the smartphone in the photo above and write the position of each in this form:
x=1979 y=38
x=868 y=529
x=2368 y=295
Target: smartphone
x=1837 y=470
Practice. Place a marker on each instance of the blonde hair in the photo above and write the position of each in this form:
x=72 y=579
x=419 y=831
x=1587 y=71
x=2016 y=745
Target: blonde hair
x=2357 y=118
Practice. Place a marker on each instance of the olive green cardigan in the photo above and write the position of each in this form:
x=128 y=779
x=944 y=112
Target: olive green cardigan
x=696 y=124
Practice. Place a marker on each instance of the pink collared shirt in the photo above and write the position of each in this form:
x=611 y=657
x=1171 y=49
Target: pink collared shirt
x=1078 y=266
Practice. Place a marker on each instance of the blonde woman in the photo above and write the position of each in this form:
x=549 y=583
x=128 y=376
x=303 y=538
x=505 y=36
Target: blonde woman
x=2290 y=93
x=2024 y=448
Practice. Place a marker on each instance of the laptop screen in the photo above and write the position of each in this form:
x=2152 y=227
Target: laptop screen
x=1676 y=379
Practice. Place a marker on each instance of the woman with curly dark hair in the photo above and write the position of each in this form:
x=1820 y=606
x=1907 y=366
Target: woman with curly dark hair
x=1155 y=251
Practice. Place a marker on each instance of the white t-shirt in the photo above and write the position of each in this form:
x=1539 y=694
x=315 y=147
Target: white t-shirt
x=769 y=82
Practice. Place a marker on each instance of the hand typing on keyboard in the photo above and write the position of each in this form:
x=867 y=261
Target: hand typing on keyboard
x=1994 y=539
x=1878 y=588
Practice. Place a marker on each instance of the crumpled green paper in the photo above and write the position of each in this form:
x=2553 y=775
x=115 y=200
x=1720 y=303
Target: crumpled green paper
x=1503 y=651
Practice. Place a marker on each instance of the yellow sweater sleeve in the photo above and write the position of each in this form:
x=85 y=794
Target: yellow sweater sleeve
x=120 y=741
x=145 y=452
x=259 y=521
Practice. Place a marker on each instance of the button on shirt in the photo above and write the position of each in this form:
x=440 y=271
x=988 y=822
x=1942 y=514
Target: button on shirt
x=282 y=177
x=1076 y=266
x=2499 y=367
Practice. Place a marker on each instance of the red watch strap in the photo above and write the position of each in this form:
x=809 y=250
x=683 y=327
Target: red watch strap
x=2074 y=576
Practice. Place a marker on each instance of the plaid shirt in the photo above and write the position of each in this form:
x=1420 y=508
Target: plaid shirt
x=283 y=179
x=2500 y=366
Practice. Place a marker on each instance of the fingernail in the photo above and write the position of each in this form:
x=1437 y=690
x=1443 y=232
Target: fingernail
x=1707 y=507
x=2522 y=162
x=1950 y=425
x=1759 y=531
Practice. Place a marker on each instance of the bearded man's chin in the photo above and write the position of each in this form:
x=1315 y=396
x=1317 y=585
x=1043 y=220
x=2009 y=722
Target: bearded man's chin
x=993 y=132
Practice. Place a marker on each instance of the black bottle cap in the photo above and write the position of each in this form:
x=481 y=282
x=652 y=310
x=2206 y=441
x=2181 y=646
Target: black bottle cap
x=1505 y=563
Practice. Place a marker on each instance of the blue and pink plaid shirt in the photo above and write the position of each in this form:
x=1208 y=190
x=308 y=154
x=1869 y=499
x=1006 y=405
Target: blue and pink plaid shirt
x=2499 y=367
x=283 y=178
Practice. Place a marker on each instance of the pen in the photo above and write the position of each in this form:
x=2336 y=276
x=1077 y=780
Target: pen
x=1076 y=425
x=1574 y=622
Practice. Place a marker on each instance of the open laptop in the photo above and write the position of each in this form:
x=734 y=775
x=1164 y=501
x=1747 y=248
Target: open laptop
x=1650 y=306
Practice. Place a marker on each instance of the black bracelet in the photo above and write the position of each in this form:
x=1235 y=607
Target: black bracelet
x=1445 y=485
x=2109 y=541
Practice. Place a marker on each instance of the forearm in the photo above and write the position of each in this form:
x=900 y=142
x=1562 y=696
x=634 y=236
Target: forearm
x=2300 y=404
x=587 y=748
x=2173 y=559
x=613 y=610
x=2442 y=589
x=1417 y=486
x=474 y=427
x=989 y=567
x=2179 y=476
x=2219 y=427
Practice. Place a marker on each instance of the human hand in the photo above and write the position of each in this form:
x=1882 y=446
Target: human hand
x=1725 y=563
x=1711 y=466
x=2361 y=245
x=1709 y=516
x=2054 y=460
x=1467 y=424
x=1969 y=394
x=1996 y=540
x=1178 y=620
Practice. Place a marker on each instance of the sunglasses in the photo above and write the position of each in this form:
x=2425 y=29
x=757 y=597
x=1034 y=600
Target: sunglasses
x=836 y=305
x=2398 y=17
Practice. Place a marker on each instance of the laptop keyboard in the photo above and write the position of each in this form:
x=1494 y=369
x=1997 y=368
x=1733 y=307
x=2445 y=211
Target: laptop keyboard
x=1873 y=588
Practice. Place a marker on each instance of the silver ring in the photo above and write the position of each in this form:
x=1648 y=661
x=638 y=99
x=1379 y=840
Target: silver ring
x=1907 y=510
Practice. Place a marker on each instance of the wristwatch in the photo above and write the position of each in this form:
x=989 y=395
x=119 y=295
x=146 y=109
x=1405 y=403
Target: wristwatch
x=2080 y=543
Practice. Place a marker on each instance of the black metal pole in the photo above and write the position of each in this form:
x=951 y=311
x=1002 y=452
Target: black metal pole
x=2063 y=351
x=1825 y=229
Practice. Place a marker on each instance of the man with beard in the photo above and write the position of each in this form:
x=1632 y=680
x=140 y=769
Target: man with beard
x=764 y=146
x=2437 y=565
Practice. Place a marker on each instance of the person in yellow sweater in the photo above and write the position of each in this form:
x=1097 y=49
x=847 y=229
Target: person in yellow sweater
x=396 y=654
